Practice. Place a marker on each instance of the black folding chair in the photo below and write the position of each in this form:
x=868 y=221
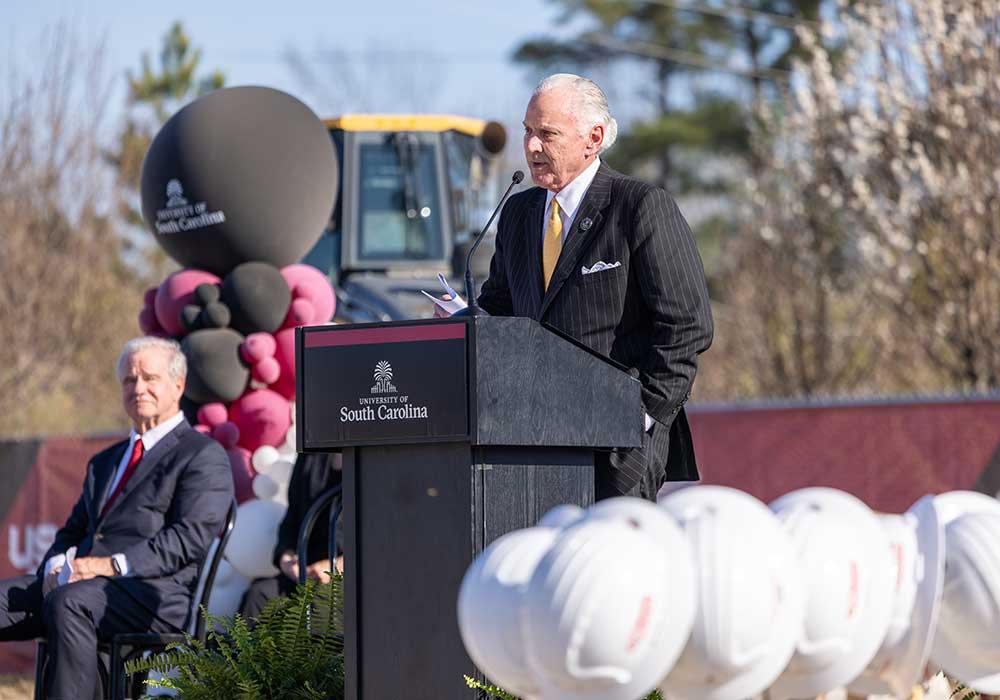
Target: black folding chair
x=309 y=522
x=130 y=645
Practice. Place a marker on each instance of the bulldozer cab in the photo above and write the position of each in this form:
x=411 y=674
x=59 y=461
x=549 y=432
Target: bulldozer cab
x=412 y=189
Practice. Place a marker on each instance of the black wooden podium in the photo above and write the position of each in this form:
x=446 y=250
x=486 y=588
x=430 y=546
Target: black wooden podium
x=454 y=432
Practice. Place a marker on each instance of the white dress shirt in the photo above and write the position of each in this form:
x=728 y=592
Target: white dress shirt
x=149 y=440
x=570 y=197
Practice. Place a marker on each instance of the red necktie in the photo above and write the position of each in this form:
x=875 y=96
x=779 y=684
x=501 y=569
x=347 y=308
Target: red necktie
x=129 y=471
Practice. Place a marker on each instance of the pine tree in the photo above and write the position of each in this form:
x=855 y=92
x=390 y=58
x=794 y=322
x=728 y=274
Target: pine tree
x=154 y=94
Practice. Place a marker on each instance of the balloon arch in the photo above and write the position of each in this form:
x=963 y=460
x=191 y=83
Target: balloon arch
x=237 y=186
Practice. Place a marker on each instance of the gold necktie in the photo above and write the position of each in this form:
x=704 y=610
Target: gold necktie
x=552 y=244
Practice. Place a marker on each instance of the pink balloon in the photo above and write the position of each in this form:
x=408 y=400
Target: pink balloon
x=284 y=353
x=203 y=429
x=262 y=416
x=266 y=371
x=176 y=292
x=148 y=323
x=308 y=283
x=213 y=414
x=300 y=313
x=257 y=347
x=227 y=434
x=243 y=473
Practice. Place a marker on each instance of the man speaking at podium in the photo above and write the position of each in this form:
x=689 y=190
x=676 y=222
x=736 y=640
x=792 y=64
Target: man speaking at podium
x=610 y=261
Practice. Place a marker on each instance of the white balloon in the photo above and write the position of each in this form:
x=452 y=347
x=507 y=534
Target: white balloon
x=226 y=598
x=263 y=457
x=281 y=472
x=253 y=539
x=290 y=438
x=265 y=487
x=224 y=573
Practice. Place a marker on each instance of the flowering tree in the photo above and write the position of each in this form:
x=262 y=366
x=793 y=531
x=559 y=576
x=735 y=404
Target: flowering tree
x=871 y=249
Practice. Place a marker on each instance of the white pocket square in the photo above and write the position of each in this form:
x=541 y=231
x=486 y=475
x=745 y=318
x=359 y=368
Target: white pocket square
x=599 y=266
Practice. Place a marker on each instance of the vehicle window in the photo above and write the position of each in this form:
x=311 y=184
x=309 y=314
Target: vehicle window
x=399 y=217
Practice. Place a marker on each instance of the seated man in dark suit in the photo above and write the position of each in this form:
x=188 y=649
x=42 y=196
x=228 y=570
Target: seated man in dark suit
x=313 y=474
x=127 y=558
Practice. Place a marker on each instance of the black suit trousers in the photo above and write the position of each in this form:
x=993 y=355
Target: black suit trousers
x=74 y=618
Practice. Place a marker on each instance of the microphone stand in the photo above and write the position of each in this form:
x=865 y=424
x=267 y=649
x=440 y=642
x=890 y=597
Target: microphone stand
x=473 y=309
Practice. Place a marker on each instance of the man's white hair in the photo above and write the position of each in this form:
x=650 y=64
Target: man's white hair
x=591 y=104
x=176 y=362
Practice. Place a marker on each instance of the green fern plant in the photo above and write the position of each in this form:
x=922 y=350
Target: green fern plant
x=492 y=691
x=294 y=651
x=963 y=692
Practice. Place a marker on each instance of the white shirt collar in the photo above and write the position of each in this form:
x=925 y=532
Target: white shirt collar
x=154 y=435
x=570 y=196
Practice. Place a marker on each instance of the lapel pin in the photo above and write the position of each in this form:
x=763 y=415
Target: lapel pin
x=586 y=224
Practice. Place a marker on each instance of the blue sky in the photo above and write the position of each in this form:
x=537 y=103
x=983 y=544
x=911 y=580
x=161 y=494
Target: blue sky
x=404 y=55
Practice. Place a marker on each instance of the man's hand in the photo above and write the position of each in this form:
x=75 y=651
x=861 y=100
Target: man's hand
x=86 y=568
x=438 y=311
x=318 y=571
x=51 y=582
x=289 y=565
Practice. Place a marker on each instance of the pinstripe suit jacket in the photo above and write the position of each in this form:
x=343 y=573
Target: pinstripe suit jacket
x=650 y=312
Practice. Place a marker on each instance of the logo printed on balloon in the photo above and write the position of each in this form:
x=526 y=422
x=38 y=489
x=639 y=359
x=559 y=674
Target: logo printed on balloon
x=180 y=216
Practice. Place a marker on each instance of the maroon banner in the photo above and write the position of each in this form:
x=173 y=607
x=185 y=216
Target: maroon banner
x=42 y=480
x=887 y=454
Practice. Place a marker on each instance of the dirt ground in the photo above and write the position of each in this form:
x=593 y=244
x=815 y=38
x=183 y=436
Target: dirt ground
x=17 y=687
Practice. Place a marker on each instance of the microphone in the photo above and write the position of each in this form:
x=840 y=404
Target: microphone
x=470 y=283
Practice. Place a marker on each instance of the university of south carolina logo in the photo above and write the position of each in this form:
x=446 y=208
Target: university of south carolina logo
x=180 y=215
x=383 y=379
x=384 y=403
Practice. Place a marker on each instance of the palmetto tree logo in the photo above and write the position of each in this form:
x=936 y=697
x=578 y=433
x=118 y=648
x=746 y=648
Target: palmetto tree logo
x=383 y=371
x=383 y=379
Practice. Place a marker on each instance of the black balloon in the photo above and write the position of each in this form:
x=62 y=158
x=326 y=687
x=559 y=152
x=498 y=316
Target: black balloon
x=215 y=370
x=205 y=294
x=257 y=296
x=189 y=317
x=240 y=174
x=215 y=315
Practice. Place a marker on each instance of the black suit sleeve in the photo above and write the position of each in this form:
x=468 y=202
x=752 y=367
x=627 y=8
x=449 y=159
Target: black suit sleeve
x=75 y=529
x=672 y=284
x=495 y=297
x=200 y=501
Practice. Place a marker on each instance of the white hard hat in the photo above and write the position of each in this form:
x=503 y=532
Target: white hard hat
x=488 y=604
x=952 y=504
x=967 y=644
x=681 y=585
x=561 y=516
x=750 y=596
x=916 y=553
x=848 y=589
x=599 y=618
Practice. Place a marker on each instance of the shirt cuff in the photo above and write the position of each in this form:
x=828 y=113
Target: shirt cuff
x=122 y=563
x=54 y=563
x=649 y=422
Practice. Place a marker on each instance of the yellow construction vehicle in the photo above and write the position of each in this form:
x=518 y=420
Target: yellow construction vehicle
x=414 y=190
